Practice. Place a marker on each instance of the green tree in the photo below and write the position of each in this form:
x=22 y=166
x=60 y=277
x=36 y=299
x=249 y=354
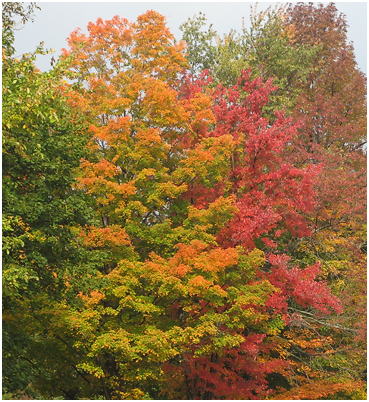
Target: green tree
x=11 y=11
x=201 y=51
x=43 y=141
x=266 y=48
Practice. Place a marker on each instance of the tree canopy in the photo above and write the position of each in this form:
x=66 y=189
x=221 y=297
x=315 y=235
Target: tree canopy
x=186 y=220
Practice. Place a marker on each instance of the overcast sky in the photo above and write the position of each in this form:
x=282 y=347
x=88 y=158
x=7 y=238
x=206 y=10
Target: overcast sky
x=56 y=20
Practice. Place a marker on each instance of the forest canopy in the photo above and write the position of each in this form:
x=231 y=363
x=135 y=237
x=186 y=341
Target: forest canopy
x=186 y=219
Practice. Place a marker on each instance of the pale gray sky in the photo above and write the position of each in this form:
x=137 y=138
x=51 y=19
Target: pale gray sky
x=56 y=20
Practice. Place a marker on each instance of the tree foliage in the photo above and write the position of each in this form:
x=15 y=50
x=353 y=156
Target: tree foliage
x=43 y=141
x=166 y=232
x=11 y=12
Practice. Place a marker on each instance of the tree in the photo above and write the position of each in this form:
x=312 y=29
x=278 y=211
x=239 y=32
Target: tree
x=332 y=111
x=304 y=49
x=10 y=12
x=43 y=141
x=265 y=48
x=201 y=53
x=263 y=186
x=173 y=163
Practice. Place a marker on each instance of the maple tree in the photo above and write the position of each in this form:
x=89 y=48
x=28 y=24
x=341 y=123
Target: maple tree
x=332 y=133
x=321 y=88
x=332 y=110
x=172 y=163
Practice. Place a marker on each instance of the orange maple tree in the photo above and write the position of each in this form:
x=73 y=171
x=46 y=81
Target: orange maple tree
x=194 y=178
